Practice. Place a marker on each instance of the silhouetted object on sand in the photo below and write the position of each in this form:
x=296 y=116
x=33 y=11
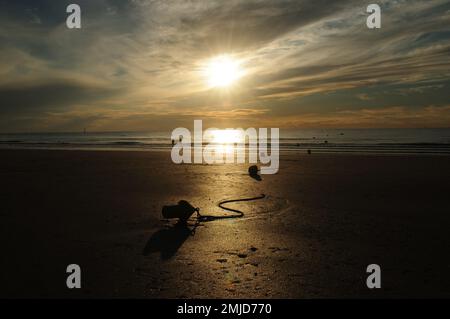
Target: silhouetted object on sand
x=183 y=210
x=253 y=172
x=309 y=152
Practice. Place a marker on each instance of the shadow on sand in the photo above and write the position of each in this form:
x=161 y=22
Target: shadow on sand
x=167 y=241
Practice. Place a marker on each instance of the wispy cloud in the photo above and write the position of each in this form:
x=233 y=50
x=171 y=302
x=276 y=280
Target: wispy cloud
x=391 y=117
x=137 y=62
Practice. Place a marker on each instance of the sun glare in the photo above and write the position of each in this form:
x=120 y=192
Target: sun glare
x=223 y=71
x=226 y=136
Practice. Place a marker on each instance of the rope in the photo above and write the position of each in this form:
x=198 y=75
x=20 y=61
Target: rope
x=238 y=213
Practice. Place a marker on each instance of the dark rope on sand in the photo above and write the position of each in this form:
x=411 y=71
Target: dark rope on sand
x=237 y=213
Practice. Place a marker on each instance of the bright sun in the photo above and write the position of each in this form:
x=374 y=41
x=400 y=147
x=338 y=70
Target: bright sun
x=226 y=136
x=223 y=71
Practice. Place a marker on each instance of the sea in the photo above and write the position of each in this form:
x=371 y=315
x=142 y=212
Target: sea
x=382 y=141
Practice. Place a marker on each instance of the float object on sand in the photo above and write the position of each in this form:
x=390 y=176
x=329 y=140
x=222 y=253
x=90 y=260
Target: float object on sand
x=253 y=170
x=183 y=210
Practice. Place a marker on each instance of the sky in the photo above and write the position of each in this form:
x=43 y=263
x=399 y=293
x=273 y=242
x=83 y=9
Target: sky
x=138 y=65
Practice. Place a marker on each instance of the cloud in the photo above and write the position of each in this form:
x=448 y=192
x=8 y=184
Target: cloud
x=31 y=97
x=389 y=117
x=144 y=56
x=364 y=97
x=419 y=89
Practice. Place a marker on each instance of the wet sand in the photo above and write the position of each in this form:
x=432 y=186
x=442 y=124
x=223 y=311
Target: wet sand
x=325 y=218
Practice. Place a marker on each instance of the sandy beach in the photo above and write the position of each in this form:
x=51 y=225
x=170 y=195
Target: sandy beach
x=324 y=219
